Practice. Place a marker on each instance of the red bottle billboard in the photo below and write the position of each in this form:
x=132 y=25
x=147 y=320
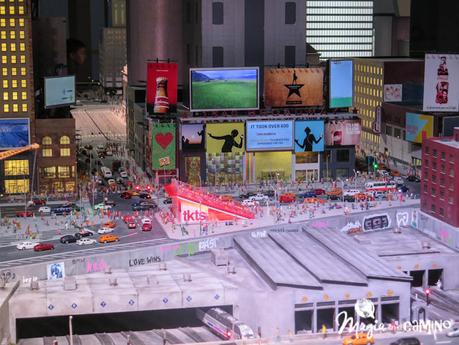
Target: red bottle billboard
x=161 y=87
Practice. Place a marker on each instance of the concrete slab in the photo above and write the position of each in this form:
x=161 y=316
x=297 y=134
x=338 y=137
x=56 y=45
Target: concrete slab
x=278 y=268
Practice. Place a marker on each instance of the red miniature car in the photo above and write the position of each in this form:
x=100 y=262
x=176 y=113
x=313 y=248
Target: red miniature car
x=319 y=191
x=147 y=227
x=127 y=218
x=43 y=246
x=287 y=198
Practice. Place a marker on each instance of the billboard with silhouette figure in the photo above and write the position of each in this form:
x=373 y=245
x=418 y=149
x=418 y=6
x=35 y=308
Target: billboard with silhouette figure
x=309 y=136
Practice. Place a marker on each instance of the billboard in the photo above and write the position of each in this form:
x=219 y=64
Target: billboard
x=448 y=125
x=162 y=79
x=269 y=135
x=163 y=146
x=193 y=137
x=14 y=133
x=225 y=168
x=418 y=126
x=55 y=271
x=342 y=132
x=59 y=91
x=441 y=82
x=293 y=87
x=309 y=136
x=225 y=137
x=341 y=84
x=393 y=92
x=224 y=89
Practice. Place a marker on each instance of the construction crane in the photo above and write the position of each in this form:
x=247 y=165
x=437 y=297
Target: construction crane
x=10 y=153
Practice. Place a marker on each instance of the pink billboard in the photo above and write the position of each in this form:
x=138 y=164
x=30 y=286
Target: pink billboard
x=342 y=132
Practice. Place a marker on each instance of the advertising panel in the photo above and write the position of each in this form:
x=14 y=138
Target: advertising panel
x=193 y=170
x=55 y=271
x=441 y=82
x=269 y=135
x=14 y=133
x=418 y=126
x=225 y=137
x=163 y=146
x=162 y=79
x=342 y=132
x=273 y=166
x=293 y=87
x=193 y=137
x=448 y=125
x=214 y=89
x=309 y=136
x=341 y=83
x=393 y=92
x=59 y=91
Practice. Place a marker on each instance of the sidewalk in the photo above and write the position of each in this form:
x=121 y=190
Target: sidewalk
x=265 y=218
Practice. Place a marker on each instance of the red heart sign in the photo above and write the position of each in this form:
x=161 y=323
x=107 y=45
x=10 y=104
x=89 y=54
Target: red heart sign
x=164 y=140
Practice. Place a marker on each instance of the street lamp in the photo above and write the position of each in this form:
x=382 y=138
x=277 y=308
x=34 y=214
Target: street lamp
x=71 y=329
x=342 y=188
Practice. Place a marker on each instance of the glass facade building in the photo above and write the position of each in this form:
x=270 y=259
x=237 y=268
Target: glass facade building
x=340 y=29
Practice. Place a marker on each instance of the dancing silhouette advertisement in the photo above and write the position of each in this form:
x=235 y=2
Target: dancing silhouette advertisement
x=225 y=137
x=309 y=136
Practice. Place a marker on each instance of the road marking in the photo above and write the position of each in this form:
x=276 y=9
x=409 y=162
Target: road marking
x=444 y=342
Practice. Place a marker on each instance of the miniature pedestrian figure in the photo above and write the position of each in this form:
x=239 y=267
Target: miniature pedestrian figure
x=324 y=331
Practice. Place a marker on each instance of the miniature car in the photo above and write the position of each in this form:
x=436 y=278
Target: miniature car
x=108 y=238
x=131 y=225
x=358 y=339
x=84 y=233
x=102 y=206
x=24 y=214
x=110 y=224
x=43 y=246
x=68 y=239
x=85 y=241
x=147 y=227
x=287 y=198
x=104 y=230
x=26 y=245
x=44 y=209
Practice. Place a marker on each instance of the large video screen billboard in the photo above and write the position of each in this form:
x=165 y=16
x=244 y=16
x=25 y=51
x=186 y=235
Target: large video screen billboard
x=225 y=137
x=418 y=126
x=163 y=146
x=269 y=135
x=14 y=133
x=342 y=132
x=341 y=84
x=441 y=82
x=162 y=79
x=224 y=89
x=59 y=91
x=309 y=136
x=293 y=87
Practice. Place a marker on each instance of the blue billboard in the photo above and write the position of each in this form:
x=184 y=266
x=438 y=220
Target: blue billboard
x=269 y=135
x=309 y=136
x=14 y=133
x=59 y=91
x=341 y=83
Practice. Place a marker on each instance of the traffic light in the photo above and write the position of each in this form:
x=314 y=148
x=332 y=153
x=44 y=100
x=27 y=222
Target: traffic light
x=375 y=165
x=427 y=292
x=228 y=334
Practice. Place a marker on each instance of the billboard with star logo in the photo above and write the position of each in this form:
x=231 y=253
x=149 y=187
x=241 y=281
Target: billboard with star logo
x=293 y=87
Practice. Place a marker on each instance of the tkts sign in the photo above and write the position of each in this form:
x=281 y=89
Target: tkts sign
x=193 y=213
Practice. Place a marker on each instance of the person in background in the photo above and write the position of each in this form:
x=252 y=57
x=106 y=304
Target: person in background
x=76 y=55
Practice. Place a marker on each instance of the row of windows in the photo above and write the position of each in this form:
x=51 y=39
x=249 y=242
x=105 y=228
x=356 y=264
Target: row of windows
x=435 y=154
x=369 y=69
x=344 y=54
x=339 y=47
x=57 y=187
x=14 y=71
x=13 y=59
x=63 y=140
x=14 y=96
x=15 y=107
x=12 y=22
x=342 y=25
x=368 y=101
x=20 y=186
x=442 y=168
x=14 y=83
x=369 y=113
x=341 y=11
x=16 y=167
x=339 y=19
x=13 y=47
x=62 y=172
x=3 y=34
x=340 y=4
x=64 y=152
x=373 y=138
x=12 y=10
x=368 y=80
x=370 y=91
x=333 y=33
x=313 y=40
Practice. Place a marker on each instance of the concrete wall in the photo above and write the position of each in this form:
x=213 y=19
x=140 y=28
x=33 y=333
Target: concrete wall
x=230 y=35
x=278 y=34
